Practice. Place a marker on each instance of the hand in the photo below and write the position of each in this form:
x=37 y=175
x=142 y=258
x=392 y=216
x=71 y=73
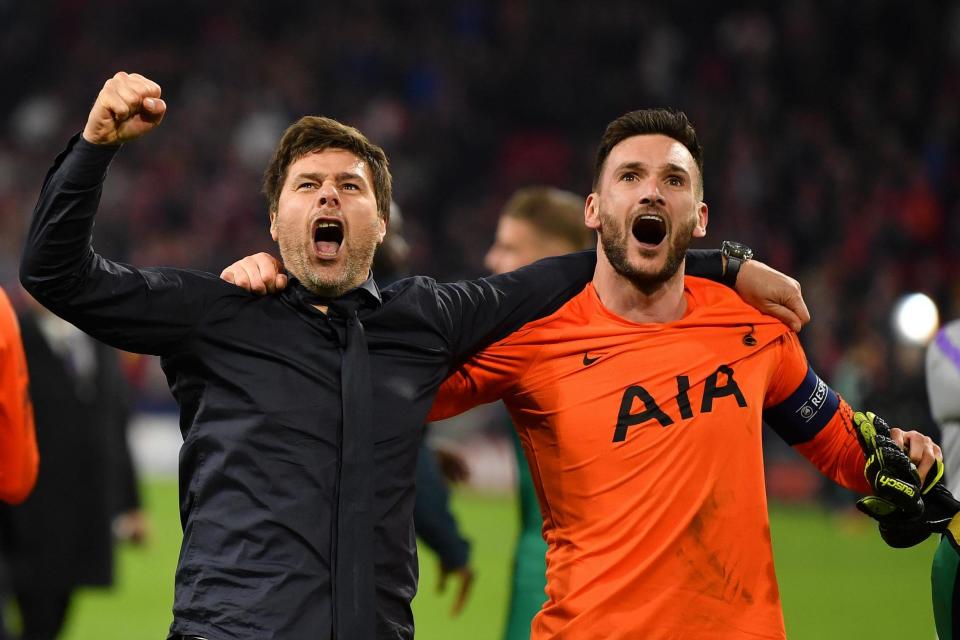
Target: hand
x=773 y=293
x=891 y=474
x=923 y=452
x=260 y=273
x=465 y=576
x=901 y=530
x=132 y=526
x=127 y=107
x=908 y=505
x=452 y=466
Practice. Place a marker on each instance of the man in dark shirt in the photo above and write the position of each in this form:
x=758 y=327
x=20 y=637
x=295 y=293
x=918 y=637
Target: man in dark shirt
x=301 y=412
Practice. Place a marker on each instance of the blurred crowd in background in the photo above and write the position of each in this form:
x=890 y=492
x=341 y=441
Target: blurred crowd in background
x=830 y=132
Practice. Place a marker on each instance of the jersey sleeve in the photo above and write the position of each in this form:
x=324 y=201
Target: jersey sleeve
x=476 y=313
x=487 y=376
x=813 y=419
x=18 y=443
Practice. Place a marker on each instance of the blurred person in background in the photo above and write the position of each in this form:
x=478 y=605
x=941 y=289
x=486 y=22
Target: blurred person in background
x=62 y=537
x=18 y=442
x=943 y=389
x=536 y=222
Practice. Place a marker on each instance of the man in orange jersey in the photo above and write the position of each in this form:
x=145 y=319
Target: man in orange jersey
x=18 y=441
x=639 y=404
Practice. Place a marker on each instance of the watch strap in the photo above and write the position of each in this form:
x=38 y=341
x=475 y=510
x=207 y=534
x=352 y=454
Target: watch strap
x=732 y=271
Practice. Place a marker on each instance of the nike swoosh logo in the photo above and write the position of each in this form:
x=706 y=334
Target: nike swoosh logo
x=587 y=360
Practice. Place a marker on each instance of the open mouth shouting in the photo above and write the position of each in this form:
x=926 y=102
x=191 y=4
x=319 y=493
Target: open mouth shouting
x=649 y=229
x=327 y=237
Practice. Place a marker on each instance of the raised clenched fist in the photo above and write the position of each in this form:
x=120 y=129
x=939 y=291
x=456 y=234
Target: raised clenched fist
x=127 y=107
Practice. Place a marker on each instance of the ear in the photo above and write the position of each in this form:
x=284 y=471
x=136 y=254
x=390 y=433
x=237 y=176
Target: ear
x=700 y=230
x=273 y=225
x=591 y=211
x=381 y=229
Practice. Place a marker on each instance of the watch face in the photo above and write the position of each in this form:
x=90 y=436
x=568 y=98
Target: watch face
x=736 y=250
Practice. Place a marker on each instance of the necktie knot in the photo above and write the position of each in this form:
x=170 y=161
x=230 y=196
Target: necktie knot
x=346 y=306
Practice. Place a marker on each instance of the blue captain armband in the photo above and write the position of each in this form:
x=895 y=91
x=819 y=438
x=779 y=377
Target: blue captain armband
x=805 y=412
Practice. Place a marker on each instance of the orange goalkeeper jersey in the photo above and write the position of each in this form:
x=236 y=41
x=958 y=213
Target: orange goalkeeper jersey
x=18 y=442
x=644 y=442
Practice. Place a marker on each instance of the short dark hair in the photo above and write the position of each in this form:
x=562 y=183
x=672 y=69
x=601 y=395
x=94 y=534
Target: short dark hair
x=668 y=122
x=552 y=212
x=310 y=134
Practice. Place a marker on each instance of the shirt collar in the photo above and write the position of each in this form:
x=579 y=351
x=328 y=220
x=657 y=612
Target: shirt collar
x=368 y=292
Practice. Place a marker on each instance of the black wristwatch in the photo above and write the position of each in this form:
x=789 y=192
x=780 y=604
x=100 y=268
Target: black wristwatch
x=736 y=254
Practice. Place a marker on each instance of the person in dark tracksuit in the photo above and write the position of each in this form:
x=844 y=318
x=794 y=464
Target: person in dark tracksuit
x=301 y=412
x=61 y=537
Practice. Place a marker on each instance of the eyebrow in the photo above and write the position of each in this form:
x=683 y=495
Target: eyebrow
x=639 y=166
x=318 y=177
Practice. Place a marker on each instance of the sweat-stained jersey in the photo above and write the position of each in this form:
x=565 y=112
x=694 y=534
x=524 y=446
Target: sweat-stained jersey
x=644 y=442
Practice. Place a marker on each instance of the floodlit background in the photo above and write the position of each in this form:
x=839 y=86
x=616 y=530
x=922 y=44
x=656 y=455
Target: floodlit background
x=830 y=131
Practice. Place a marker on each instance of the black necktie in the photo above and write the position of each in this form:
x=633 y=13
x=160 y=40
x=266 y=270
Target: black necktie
x=354 y=591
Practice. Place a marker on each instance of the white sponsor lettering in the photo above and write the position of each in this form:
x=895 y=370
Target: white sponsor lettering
x=809 y=409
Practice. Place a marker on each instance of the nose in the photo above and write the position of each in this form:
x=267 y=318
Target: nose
x=328 y=196
x=650 y=195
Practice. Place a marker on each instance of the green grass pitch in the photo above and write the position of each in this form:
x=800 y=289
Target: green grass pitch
x=837 y=578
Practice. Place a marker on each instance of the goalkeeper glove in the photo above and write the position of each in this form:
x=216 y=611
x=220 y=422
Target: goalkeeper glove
x=907 y=510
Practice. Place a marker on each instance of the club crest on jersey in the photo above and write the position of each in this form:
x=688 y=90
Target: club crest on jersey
x=712 y=390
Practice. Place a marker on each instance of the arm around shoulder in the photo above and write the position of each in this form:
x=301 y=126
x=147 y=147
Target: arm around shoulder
x=476 y=313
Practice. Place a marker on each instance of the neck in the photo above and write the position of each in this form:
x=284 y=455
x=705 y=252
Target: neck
x=329 y=291
x=664 y=302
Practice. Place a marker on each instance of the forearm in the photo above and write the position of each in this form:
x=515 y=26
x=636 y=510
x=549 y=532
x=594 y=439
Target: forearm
x=434 y=522
x=58 y=256
x=140 y=310
x=836 y=452
x=811 y=417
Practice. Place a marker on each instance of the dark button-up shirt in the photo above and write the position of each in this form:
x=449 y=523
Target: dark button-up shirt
x=257 y=380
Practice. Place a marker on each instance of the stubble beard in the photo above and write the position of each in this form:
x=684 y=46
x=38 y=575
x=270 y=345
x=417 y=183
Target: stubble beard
x=329 y=285
x=614 y=237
